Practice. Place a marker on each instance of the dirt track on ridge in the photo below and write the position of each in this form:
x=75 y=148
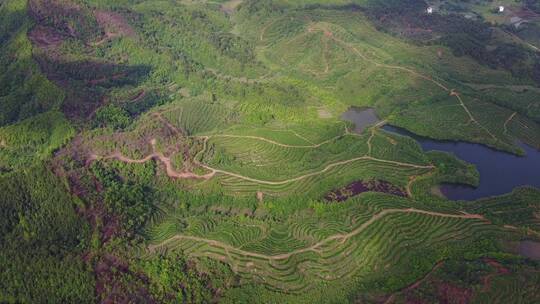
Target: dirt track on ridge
x=315 y=247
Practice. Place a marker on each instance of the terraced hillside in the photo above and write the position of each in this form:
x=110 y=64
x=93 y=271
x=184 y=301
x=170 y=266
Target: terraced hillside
x=415 y=93
x=298 y=255
x=269 y=161
x=202 y=145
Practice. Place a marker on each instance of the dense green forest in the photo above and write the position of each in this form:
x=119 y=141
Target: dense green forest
x=194 y=151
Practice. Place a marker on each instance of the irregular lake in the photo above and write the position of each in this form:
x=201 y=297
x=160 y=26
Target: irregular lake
x=361 y=118
x=500 y=172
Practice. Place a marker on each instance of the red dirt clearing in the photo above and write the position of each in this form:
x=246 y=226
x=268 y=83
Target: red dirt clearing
x=45 y=37
x=114 y=24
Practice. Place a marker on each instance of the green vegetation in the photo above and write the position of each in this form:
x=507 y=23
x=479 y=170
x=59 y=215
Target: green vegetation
x=478 y=281
x=174 y=280
x=517 y=209
x=353 y=241
x=42 y=238
x=128 y=200
x=112 y=116
x=33 y=140
x=180 y=151
x=25 y=90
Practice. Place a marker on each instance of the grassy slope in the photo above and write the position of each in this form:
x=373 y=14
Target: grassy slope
x=33 y=140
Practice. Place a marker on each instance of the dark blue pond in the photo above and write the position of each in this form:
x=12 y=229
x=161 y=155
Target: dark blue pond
x=500 y=172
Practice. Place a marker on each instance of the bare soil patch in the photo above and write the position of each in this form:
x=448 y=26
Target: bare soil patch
x=324 y=113
x=113 y=24
x=45 y=37
x=530 y=249
x=450 y=293
x=230 y=6
x=359 y=187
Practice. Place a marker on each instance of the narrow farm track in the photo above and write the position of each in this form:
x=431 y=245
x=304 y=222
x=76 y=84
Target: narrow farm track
x=301 y=137
x=471 y=117
x=265 y=28
x=370 y=148
x=373 y=132
x=413 y=180
x=270 y=141
x=327 y=168
x=505 y=126
x=533 y=47
x=514 y=88
x=171 y=172
x=315 y=247
x=275 y=142
x=169 y=125
x=382 y=65
x=416 y=284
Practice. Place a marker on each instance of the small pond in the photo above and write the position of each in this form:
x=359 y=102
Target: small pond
x=361 y=118
x=530 y=249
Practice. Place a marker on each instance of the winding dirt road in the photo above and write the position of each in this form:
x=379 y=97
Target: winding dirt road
x=171 y=172
x=327 y=168
x=416 y=284
x=315 y=247
x=505 y=126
